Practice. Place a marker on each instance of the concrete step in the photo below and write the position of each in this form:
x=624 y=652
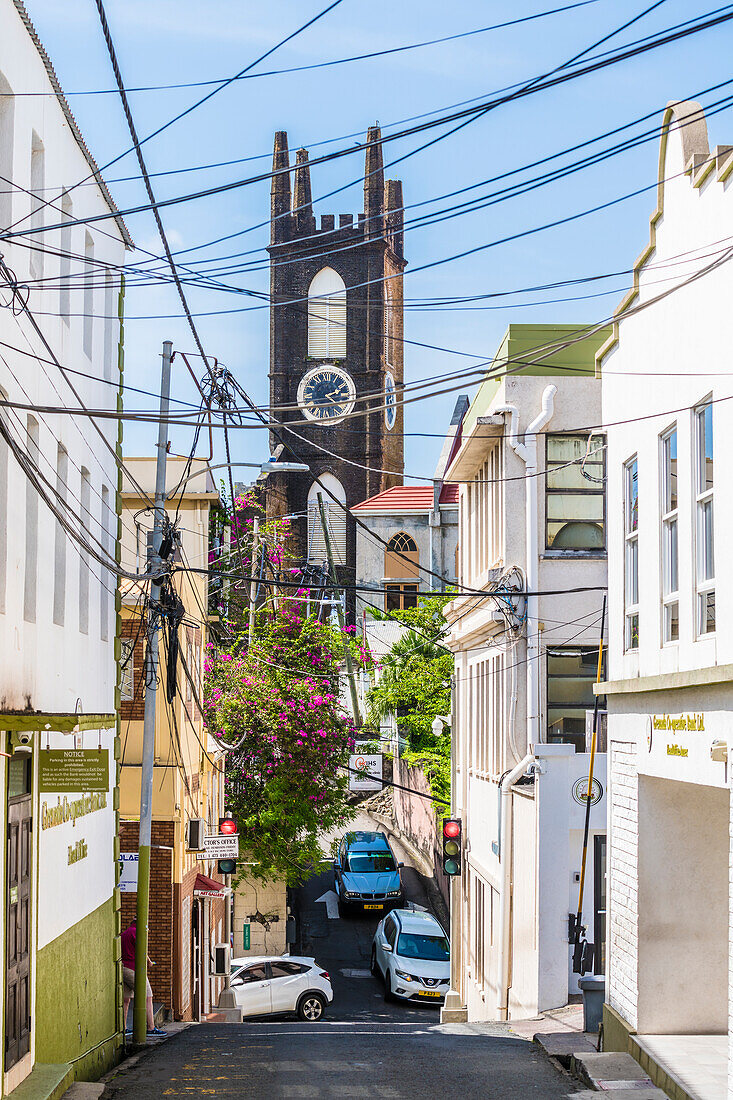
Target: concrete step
x=46 y=1081
x=610 y=1071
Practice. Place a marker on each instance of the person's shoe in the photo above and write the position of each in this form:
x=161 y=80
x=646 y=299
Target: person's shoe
x=128 y=1031
x=156 y=1031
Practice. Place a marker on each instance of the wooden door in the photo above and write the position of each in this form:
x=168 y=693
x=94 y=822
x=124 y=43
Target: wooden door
x=18 y=917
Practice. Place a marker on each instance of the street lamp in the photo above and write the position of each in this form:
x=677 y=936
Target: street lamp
x=274 y=467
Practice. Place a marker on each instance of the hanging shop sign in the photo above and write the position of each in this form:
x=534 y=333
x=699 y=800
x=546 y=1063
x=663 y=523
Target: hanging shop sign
x=73 y=770
x=220 y=846
x=365 y=772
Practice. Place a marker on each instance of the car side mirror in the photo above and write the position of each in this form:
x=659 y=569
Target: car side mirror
x=400 y=865
x=386 y=947
x=336 y=865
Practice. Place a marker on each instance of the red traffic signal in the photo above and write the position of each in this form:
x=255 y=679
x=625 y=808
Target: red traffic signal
x=452 y=845
x=227 y=826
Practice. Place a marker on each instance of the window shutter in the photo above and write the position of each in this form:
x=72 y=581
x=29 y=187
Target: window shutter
x=336 y=520
x=327 y=316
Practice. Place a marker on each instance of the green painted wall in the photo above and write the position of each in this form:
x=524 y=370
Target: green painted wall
x=521 y=342
x=76 y=1002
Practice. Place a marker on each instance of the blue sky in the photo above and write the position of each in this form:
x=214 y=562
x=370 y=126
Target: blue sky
x=169 y=41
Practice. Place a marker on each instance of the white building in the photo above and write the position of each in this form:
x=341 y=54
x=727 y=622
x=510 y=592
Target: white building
x=58 y=610
x=670 y=700
x=532 y=519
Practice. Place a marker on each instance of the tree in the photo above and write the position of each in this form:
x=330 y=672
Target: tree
x=415 y=687
x=278 y=704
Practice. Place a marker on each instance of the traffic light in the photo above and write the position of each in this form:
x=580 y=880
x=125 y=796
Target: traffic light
x=452 y=845
x=227 y=827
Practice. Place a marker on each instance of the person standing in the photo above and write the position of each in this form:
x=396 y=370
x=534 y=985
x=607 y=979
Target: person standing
x=128 y=939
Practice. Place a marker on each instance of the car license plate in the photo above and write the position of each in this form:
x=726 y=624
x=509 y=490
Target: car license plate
x=374 y=907
x=430 y=993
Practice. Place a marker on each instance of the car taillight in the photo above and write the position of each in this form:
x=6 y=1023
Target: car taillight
x=325 y=974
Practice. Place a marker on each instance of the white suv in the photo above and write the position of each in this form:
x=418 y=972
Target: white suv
x=412 y=954
x=269 y=984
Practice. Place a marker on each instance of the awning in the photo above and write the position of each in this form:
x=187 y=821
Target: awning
x=205 y=887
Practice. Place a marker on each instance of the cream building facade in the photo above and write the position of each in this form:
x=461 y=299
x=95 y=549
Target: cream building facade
x=669 y=980
x=531 y=520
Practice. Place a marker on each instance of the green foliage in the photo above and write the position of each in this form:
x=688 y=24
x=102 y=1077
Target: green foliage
x=415 y=686
x=278 y=704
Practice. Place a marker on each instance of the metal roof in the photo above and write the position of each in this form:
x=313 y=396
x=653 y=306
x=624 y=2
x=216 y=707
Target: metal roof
x=408 y=498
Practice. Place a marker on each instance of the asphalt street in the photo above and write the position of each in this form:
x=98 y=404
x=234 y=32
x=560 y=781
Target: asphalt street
x=364 y=1047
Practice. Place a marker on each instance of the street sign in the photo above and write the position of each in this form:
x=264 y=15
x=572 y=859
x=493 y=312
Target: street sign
x=128 y=879
x=246 y=936
x=365 y=772
x=73 y=770
x=218 y=846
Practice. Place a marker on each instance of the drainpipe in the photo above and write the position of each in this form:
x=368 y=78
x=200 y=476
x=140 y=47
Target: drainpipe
x=527 y=451
x=505 y=856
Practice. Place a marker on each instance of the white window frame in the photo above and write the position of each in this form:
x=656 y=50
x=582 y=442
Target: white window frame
x=631 y=558
x=127 y=670
x=704 y=531
x=327 y=316
x=669 y=532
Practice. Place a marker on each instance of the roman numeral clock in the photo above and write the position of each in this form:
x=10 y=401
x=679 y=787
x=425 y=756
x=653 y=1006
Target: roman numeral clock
x=326 y=393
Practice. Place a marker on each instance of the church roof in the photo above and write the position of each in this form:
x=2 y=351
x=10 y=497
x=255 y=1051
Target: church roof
x=408 y=498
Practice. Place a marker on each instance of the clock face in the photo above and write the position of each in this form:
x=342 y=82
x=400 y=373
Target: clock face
x=326 y=394
x=390 y=401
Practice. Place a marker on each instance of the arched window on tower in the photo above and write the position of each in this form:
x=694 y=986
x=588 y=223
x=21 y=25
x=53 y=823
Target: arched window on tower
x=401 y=561
x=327 y=316
x=335 y=520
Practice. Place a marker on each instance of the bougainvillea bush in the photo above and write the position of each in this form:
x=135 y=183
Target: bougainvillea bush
x=278 y=704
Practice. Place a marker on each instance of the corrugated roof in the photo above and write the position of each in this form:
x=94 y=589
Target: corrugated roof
x=408 y=498
x=51 y=72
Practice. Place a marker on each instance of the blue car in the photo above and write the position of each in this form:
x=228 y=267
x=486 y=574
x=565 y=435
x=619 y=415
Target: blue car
x=367 y=876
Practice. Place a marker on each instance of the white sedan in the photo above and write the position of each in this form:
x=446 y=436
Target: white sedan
x=264 y=985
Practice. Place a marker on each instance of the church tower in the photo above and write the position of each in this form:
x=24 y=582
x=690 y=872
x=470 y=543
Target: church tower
x=336 y=350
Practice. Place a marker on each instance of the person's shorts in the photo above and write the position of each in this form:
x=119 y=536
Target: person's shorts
x=128 y=980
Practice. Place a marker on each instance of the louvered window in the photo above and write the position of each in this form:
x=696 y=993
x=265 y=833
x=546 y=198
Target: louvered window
x=335 y=520
x=327 y=316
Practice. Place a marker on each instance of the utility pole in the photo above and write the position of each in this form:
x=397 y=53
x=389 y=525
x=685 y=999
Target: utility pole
x=253 y=578
x=139 y=1016
x=340 y=613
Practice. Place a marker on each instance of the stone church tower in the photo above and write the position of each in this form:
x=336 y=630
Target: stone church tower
x=336 y=351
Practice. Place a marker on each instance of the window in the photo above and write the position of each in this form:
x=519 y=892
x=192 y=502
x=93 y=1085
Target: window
x=631 y=554
x=287 y=969
x=31 y=527
x=390 y=931
x=88 y=309
x=335 y=520
x=37 y=205
x=84 y=562
x=107 y=578
x=127 y=669
x=67 y=215
x=571 y=673
x=387 y=326
x=401 y=557
x=60 y=540
x=7 y=128
x=479 y=939
x=327 y=316
x=256 y=973
x=415 y=945
x=111 y=326
x=368 y=863
x=599 y=903
x=398 y=597
x=670 y=556
x=705 y=595
x=575 y=492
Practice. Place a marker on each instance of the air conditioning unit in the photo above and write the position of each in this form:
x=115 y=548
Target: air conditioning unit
x=222 y=960
x=195 y=832
x=601 y=732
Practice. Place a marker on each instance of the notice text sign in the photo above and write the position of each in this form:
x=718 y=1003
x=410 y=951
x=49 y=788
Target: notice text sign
x=73 y=770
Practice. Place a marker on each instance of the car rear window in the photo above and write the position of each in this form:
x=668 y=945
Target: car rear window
x=414 y=946
x=283 y=969
x=362 y=863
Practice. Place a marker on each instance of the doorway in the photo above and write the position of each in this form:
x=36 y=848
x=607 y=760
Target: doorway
x=18 y=912
x=196 y=985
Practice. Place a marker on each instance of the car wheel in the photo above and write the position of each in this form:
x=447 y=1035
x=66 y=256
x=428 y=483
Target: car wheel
x=311 y=1007
x=388 y=994
x=373 y=965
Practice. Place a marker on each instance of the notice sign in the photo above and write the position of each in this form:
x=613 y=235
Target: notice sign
x=365 y=772
x=73 y=770
x=220 y=846
x=128 y=878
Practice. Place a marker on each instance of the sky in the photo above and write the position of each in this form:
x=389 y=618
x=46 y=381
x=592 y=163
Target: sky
x=323 y=109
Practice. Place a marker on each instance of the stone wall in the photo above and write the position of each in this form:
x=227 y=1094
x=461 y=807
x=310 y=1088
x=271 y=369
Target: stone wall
x=417 y=819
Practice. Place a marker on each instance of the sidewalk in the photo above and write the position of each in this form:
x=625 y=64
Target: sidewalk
x=558 y=1032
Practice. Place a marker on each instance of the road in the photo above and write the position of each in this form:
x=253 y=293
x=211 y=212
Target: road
x=363 y=1048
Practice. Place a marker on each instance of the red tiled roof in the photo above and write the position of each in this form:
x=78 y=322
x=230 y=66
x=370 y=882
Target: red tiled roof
x=407 y=498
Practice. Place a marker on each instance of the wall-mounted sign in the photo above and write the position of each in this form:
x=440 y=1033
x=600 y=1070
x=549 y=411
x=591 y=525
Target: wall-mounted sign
x=580 y=791
x=365 y=772
x=246 y=936
x=220 y=846
x=128 y=881
x=73 y=770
